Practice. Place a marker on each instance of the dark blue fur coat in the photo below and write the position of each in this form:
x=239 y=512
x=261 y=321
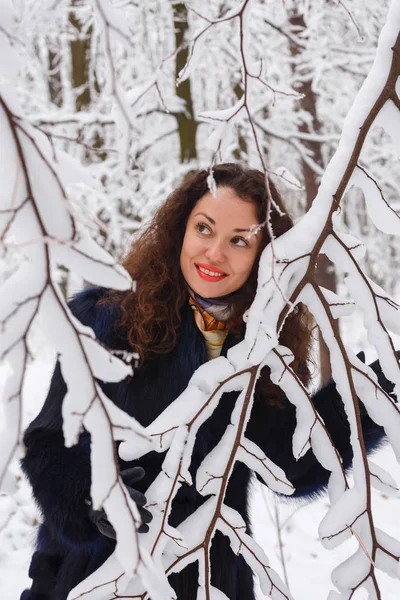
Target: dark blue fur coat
x=69 y=546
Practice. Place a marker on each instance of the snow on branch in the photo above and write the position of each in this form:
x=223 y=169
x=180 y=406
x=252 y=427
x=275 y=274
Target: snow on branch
x=176 y=429
x=382 y=214
x=351 y=511
x=112 y=27
x=35 y=217
x=310 y=430
x=286 y=277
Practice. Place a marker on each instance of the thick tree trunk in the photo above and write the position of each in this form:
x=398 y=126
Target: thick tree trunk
x=80 y=60
x=325 y=271
x=187 y=124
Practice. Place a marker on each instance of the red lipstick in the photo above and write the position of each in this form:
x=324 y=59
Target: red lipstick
x=206 y=276
x=210 y=268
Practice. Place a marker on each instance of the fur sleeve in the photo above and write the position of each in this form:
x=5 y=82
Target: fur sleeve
x=60 y=477
x=272 y=429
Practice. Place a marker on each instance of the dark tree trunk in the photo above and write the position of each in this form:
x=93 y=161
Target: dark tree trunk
x=325 y=274
x=80 y=60
x=187 y=124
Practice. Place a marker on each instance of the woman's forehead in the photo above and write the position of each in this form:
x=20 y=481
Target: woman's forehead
x=227 y=205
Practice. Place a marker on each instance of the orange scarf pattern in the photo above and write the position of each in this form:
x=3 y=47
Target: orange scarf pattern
x=214 y=331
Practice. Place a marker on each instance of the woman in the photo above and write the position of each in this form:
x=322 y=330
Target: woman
x=196 y=272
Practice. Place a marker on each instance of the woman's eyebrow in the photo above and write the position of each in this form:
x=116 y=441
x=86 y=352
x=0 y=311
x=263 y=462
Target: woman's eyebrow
x=213 y=223
x=206 y=216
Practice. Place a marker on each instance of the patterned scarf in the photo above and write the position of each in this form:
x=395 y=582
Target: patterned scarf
x=211 y=316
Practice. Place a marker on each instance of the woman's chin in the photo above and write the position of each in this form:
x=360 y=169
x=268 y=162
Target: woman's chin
x=210 y=290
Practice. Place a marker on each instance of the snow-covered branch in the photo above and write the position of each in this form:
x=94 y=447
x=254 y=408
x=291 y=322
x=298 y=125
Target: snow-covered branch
x=36 y=218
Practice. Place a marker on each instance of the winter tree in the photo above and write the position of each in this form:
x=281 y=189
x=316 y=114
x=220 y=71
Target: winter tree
x=104 y=107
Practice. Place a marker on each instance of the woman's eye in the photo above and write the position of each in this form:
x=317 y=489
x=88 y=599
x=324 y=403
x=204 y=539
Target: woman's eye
x=239 y=241
x=202 y=228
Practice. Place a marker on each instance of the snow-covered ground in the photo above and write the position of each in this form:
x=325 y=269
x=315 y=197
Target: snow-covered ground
x=308 y=564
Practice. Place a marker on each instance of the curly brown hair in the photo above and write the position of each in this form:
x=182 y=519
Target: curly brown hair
x=151 y=314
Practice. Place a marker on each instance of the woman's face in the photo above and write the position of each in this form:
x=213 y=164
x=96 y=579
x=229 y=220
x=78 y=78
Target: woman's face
x=217 y=252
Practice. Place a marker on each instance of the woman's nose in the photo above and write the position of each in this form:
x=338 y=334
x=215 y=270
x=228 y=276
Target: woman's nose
x=215 y=252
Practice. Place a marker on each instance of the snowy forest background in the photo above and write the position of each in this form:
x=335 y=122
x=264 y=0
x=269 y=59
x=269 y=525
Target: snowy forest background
x=126 y=94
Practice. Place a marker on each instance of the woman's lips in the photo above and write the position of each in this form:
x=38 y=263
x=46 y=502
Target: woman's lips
x=207 y=277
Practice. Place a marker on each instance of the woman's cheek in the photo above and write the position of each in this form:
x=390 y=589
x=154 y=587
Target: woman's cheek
x=198 y=247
